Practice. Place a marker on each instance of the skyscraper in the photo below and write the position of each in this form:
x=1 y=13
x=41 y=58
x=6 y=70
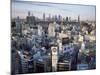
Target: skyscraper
x=18 y=25
x=54 y=58
x=28 y=13
x=44 y=16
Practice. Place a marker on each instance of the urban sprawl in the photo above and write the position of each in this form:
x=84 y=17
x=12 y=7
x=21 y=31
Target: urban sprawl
x=52 y=44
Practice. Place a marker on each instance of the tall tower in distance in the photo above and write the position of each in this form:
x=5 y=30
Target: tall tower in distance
x=28 y=13
x=18 y=25
x=79 y=18
x=44 y=16
x=49 y=16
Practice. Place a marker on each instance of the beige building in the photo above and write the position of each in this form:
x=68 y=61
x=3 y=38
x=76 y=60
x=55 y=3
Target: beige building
x=51 y=30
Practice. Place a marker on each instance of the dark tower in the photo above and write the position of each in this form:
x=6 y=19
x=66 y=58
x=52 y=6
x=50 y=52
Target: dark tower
x=78 y=18
x=28 y=13
x=44 y=16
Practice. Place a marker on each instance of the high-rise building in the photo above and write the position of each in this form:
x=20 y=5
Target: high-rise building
x=28 y=13
x=51 y=30
x=49 y=16
x=59 y=17
x=66 y=18
x=16 y=67
x=40 y=30
x=44 y=16
x=18 y=25
x=78 y=18
x=30 y=19
x=54 y=58
x=56 y=18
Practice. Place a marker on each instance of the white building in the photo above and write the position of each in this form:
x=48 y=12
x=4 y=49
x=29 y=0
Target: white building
x=59 y=41
x=81 y=38
x=54 y=58
x=40 y=30
x=51 y=30
x=83 y=46
x=34 y=30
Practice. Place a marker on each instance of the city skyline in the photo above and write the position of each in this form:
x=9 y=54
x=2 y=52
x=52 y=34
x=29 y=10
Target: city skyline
x=21 y=8
x=52 y=37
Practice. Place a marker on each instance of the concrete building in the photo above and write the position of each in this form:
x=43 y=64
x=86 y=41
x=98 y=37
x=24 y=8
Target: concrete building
x=64 y=66
x=18 y=25
x=54 y=58
x=40 y=30
x=16 y=66
x=30 y=19
x=51 y=30
x=44 y=18
x=67 y=48
x=25 y=59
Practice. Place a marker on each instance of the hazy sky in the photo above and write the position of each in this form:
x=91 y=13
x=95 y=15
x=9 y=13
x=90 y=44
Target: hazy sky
x=21 y=8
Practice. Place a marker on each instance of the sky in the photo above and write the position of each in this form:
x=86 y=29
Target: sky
x=21 y=8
